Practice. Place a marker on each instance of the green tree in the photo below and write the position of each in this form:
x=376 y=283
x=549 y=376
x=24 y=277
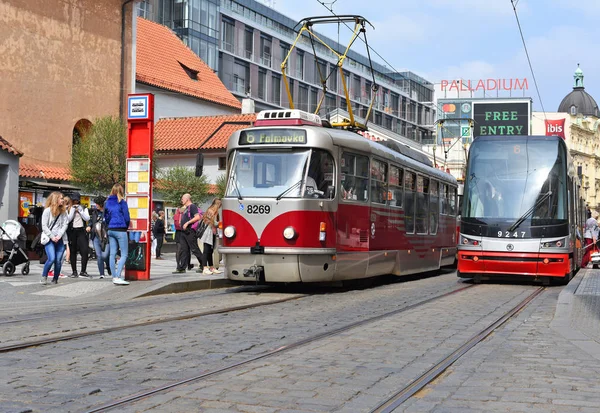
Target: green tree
x=99 y=157
x=172 y=183
x=221 y=185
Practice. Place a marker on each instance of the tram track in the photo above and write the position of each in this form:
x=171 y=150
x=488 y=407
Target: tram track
x=270 y=353
x=66 y=337
x=418 y=384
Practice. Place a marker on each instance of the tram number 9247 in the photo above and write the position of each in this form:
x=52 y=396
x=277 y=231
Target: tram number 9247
x=258 y=209
x=507 y=234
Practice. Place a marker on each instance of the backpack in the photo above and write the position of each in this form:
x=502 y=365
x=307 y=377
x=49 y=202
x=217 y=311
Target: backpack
x=177 y=220
x=195 y=224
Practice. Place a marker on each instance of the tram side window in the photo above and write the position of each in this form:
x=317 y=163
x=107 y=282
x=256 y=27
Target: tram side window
x=396 y=192
x=355 y=177
x=410 y=182
x=434 y=208
x=378 y=182
x=452 y=200
x=320 y=175
x=443 y=199
x=422 y=211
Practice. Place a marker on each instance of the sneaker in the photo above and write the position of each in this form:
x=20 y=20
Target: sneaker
x=206 y=271
x=159 y=258
x=101 y=275
x=120 y=281
x=178 y=272
x=74 y=275
x=199 y=270
x=50 y=273
x=54 y=281
x=190 y=267
x=86 y=275
x=215 y=271
x=44 y=280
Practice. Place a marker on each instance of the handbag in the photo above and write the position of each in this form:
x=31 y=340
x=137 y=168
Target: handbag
x=201 y=228
x=44 y=239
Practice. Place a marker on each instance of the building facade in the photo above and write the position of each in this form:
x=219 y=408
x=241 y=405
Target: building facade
x=61 y=68
x=252 y=40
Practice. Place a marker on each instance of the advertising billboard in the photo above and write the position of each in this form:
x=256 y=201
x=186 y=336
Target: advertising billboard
x=503 y=118
x=455 y=110
x=555 y=127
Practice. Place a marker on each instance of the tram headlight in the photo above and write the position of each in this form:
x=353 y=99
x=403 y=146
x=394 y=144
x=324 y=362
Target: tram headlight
x=468 y=241
x=229 y=231
x=289 y=233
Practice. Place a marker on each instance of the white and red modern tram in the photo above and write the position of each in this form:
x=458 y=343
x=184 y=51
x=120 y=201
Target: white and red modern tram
x=522 y=210
x=310 y=203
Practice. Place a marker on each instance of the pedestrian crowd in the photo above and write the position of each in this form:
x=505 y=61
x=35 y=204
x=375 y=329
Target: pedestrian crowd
x=69 y=229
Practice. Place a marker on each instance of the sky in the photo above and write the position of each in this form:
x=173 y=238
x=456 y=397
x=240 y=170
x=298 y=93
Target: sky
x=477 y=39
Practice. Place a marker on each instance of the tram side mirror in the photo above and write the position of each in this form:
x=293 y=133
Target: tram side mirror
x=199 y=164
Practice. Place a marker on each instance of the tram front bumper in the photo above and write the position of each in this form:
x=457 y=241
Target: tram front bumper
x=471 y=263
x=286 y=265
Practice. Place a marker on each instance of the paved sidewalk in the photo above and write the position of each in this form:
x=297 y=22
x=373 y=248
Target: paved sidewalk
x=27 y=288
x=577 y=315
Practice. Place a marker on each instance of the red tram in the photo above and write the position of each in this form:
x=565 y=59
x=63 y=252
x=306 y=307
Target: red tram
x=522 y=210
x=309 y=203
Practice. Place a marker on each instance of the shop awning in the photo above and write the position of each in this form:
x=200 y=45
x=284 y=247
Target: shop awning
x=47 y=186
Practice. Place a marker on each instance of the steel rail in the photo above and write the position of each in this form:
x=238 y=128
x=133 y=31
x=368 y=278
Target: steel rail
x=415 y=386
x=33 y=343
x=210 y=373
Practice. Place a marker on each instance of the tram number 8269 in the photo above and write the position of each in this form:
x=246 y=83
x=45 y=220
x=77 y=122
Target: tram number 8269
x=258 y=209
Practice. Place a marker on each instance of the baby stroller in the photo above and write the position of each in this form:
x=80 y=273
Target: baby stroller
x=12 y=244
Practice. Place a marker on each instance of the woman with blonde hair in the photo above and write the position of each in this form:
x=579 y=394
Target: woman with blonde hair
x=116 y=215
x=210 y=221
x=54 y=226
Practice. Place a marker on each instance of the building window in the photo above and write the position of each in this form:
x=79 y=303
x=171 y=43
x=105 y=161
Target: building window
x=227 y=36
x=276 y=89
x=222 y=163
x=265 y=50
x=285 y=49
x=262 y=84
x=314 y=100
x=249 y=42
x=320 y=71
x=303 y=98
x=241 y=77
x=300 y=64
x=573 y=110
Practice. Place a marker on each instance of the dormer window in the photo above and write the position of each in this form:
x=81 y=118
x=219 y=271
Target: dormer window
x=193 y=74
x=573 y=110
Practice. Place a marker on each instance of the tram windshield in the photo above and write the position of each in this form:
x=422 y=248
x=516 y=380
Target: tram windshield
x=290 y=173
x=517 y=182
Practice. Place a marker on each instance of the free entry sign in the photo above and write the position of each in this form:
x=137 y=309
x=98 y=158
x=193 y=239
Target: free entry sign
x=501 y=118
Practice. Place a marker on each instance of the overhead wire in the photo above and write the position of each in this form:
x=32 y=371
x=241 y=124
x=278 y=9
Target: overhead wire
x=514 y=6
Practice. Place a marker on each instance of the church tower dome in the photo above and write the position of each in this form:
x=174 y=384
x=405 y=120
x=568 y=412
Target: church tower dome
x=579 y=101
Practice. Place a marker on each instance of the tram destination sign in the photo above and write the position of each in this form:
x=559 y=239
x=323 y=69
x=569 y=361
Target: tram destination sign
x=273 y=137
x=503 y=118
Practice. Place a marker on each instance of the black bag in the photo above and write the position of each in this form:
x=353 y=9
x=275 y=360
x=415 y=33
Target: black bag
x=201 y=228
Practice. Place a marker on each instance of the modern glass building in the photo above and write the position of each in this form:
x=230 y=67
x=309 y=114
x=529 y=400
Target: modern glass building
x=246 y=42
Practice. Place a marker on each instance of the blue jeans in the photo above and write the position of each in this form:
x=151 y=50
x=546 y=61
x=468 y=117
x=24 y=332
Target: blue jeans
x=54 y=251
x=118 y=239
x=101 y=256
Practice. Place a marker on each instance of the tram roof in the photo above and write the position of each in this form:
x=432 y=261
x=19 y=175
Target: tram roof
x=403 y=155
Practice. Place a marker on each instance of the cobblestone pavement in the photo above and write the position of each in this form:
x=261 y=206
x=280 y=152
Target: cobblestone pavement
x=71 y=375
x=349 y=372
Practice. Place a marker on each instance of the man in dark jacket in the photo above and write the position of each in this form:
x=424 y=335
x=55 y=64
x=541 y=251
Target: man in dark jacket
x=99 y=236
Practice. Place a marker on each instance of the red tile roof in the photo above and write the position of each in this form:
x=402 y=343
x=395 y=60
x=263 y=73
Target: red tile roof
x=202 y=132
x=44 y=170
x=5 y=145
x=162 y=60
